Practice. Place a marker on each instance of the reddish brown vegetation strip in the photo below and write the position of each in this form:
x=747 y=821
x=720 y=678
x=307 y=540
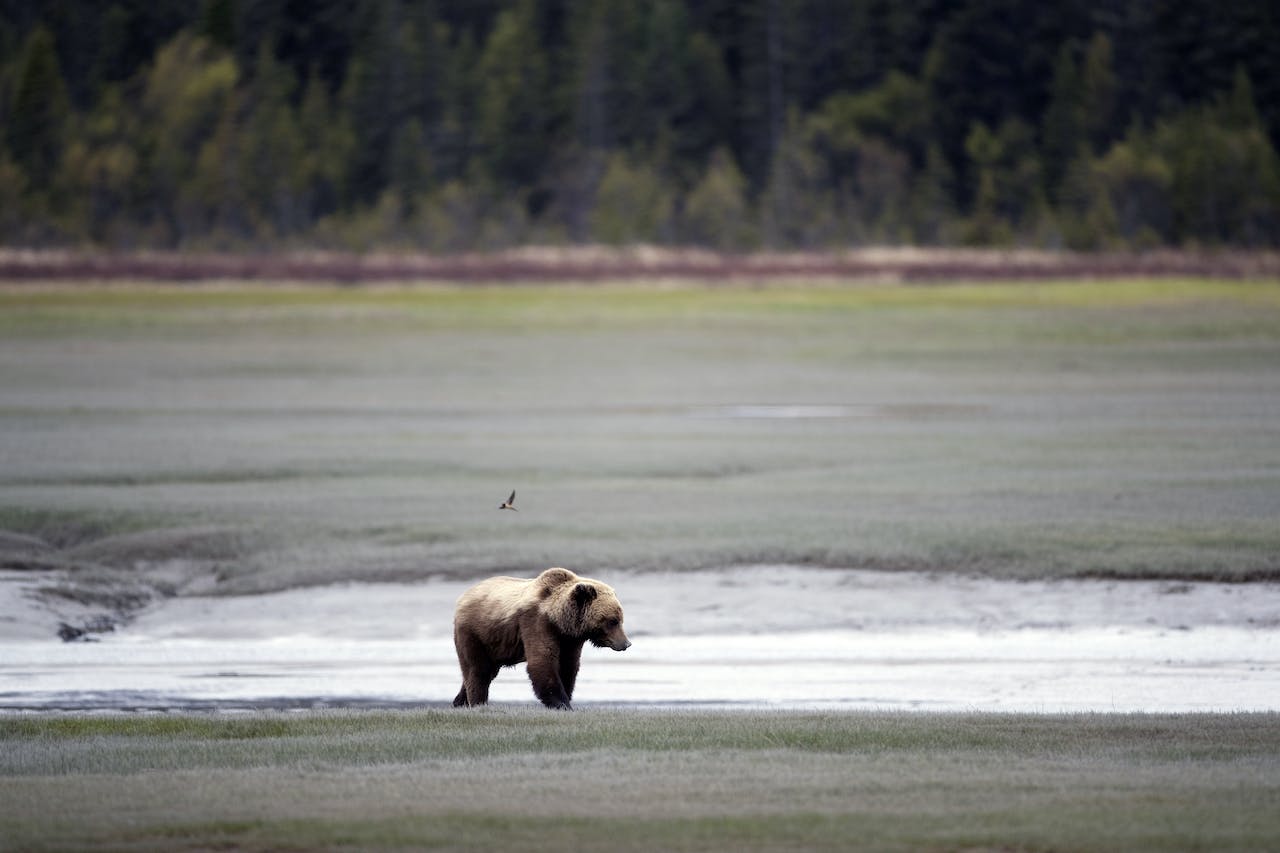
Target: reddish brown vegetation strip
x=596 y=264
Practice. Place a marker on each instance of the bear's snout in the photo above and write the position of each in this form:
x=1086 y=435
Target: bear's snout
x=620 y=645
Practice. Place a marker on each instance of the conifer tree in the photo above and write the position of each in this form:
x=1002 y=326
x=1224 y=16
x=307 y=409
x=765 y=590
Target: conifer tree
x=1098 y=87
x=37 y=120
x=513 y=113
x=1063 y=132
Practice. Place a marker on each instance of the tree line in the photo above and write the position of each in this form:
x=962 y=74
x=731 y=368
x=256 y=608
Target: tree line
x=456 y=125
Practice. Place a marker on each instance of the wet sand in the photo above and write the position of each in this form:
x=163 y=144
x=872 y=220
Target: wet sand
x=758 y=636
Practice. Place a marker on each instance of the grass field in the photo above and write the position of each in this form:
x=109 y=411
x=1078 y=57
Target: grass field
x=231 y=439
x=631 y=779
x=246 y=438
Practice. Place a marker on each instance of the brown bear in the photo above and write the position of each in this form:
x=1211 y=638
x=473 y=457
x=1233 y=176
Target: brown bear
x=546 y=620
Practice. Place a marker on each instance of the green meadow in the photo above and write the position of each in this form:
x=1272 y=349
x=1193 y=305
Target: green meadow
x=237 y=438
x=636 y=779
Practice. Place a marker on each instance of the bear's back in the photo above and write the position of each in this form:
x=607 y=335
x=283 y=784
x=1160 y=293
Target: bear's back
x=498 y=598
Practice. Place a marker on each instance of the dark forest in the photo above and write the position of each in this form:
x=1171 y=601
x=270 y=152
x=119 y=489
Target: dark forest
x=730 y=124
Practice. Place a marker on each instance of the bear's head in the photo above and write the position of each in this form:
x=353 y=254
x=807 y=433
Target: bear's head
x=601 y=615
x=583 y=608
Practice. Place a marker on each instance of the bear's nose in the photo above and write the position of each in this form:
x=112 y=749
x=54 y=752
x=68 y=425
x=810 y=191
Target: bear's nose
x=626 y=644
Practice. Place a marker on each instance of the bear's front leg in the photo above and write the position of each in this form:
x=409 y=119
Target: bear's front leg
x=570 y=659
x=547 y=686
x=542 y=651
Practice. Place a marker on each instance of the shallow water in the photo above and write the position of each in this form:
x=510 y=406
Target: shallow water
x=763 y=636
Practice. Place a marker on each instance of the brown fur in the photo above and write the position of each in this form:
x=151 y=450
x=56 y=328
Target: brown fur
x=546 y=620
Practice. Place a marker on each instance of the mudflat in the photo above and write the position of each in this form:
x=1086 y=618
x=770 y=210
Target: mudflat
x=247 y=438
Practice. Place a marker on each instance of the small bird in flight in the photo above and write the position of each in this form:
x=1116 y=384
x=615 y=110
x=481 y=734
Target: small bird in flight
x=509 y=503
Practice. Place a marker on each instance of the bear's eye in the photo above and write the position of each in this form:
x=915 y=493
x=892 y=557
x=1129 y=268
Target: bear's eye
x=612 y=623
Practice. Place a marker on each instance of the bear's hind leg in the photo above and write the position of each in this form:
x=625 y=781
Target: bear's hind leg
x=475 y=687
x=478 y=669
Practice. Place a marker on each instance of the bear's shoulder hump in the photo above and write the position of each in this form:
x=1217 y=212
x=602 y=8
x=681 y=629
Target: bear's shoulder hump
x=551 y=579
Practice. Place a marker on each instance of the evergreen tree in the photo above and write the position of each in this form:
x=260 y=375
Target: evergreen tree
x=716 y=211
x=38 y=118
x=686 y=97
x=328 y=145
x=1098 y=92
x=1064 y=135
x=933 y=200
x=213 y=201
x=870 y=143
x=1122 y=196
x=374 y=77
x=513 y=114
x=767 y=40
x=797 y=208
x=895 y=111
x=1225 y=171
x=100 y=170
x=986 y=225
x=13 y=198
x=592 y=77
x=218 y=23
x=633 y=203
x=1238 y=109
x=878 y=202
x=410 y=165
x=185 y=95
x=271 y=149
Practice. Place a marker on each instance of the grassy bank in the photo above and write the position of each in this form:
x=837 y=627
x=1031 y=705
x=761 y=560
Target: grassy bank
x=521 y=778
x=240 y=438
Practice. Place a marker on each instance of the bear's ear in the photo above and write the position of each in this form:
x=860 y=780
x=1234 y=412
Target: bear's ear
x=583 y=594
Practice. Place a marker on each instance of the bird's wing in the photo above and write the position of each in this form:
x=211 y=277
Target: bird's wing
x=512 y=499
